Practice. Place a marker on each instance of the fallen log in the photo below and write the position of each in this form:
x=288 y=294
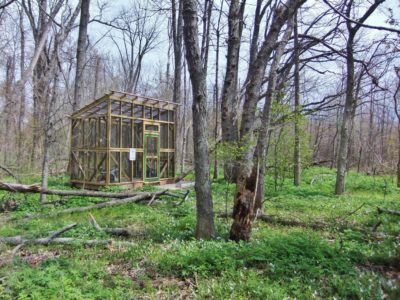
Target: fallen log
x=114 y=202
x=388 y=211
x=113 y=231
x=23 y=242
x=22 y=188
x=17 y=240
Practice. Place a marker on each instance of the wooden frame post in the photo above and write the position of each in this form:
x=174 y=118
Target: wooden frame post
x=109 y=124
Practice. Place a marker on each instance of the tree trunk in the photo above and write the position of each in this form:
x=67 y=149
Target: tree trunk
x=48 y=136
x=262 y=141
x=205 y=216
x=21 y=115
x=246 y=184
x=229 y=97
x=346 y=120
x=216 y=92
x=184 y=118
x=96 y=77
x=296 y=155
x=10 y=75
x=177 y=89
x=81 y=55
x=351 y=101
x=40 y=95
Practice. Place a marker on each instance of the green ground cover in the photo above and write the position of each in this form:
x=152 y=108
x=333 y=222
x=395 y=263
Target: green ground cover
x=344 y=261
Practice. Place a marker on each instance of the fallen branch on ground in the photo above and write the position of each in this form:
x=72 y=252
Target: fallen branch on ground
x=22 y=188
x=186 y=196
x=53 y=239
x=113 y=231
x=20 y=242
x=114 y=202
x=152 y=200
x=59 y=232
x=9 y=172
x=388 y=211
x=17 y=240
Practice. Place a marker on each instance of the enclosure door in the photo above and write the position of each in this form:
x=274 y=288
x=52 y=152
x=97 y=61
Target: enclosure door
x=151 y=157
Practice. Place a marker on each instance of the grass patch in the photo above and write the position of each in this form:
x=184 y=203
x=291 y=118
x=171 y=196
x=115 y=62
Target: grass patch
x=166 y=262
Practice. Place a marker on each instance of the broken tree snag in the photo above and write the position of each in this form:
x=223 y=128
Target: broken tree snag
x=113 y=231
x=388 y=211
x=22 y=188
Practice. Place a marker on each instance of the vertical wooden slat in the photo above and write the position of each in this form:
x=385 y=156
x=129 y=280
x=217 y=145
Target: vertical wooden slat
x=108 y=142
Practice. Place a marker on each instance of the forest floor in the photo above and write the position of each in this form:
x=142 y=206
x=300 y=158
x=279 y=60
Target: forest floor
x=346 y=260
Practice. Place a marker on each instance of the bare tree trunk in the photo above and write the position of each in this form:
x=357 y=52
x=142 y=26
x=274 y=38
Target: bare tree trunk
x=205 y=215
x=351 y=101
x=177 y=24
x=216 y=92
x=296 y=156
x=247 y=181
x=183 y=125
x=96 y=77
x=81 y=55
x=398 y=154
x=10 y=75
x=48 y=136
x=346 y=120
x=260 y=154
x=229 y=97
x=40 y=93
x=397 y=111
x=21 y=115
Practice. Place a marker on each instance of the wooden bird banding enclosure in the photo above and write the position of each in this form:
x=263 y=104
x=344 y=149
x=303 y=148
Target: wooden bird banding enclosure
x=123 y=139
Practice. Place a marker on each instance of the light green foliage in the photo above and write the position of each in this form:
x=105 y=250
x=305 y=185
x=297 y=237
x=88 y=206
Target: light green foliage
x=279 y=262
x=280 y=160
x=230 y=152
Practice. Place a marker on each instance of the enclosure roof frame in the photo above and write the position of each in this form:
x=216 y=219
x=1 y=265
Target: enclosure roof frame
x=125 y=97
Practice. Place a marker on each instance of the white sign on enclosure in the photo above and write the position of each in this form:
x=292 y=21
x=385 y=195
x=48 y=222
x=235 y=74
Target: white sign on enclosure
x=132 y=154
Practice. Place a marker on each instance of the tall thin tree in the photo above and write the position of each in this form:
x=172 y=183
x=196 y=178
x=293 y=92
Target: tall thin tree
x=205 y=228
x=81 y=55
